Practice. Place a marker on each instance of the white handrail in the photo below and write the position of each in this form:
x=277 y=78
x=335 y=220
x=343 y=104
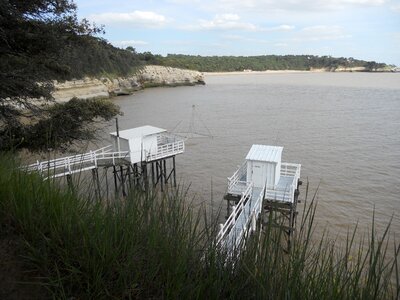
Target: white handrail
x=167 y=150
x=65 y=165
x=230 y=222
x=235 y=178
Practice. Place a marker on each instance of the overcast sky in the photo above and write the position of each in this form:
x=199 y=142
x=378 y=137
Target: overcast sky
x=364 y=29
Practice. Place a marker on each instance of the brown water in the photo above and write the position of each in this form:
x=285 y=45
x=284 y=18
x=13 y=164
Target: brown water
x=343 y=128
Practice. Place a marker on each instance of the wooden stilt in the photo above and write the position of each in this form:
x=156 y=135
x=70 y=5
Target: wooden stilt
x=157 y=172
x=174 y=169
x=115 y=181
x=70 y=183
x=153 y=175
x=165 y=171
x=106 y=177
x=96 y=184
x=122 y=179
x=161 y=176
x=129 y=176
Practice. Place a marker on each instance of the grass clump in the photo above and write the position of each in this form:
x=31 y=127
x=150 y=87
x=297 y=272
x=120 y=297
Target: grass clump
x=154 y=246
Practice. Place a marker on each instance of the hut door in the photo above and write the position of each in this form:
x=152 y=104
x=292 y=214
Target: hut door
x=258 y=174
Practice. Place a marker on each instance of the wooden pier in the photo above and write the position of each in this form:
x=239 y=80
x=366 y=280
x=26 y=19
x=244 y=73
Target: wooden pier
x=144 y=157
x=262 y=186
x=138 y=158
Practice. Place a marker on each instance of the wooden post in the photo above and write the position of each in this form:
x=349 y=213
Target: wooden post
x=96 y=184
x=115 y=181
x=173 y=163
x=129 y=176
x=135 y=175
x=152 y=174
x=121 y=168
x=106 y=174
x=157 y=171
x=70 y=183
x=165 y=171
x=161 y=175
x=145 y=177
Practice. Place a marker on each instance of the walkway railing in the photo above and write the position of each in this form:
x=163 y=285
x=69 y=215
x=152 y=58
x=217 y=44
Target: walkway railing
x=234 y=182
x=77 y=163
x=286 y=195
x=167 y=150
x=289 y=169
x=242 y=219
x=82 y=162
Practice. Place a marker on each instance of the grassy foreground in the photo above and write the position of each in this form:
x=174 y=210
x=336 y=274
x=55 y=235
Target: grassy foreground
x=149 y=246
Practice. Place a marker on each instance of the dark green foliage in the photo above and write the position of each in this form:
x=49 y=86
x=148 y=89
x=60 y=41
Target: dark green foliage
x=262 y=62
x=33 y=33
x=62 y=124
x=91 y=56
x=42 y=41
x=150 y=246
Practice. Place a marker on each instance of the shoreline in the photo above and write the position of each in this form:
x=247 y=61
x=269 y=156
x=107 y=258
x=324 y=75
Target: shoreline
x=263 y=72
x=289 y=72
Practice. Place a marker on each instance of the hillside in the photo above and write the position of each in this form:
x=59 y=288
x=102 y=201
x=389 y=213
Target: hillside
x=269 y=62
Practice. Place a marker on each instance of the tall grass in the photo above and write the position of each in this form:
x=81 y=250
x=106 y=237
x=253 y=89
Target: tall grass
x=153 y=246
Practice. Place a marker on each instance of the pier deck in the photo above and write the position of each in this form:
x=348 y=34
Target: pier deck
x=283 y=191
x=257 y=186
x=243 y=218
x=167 y=146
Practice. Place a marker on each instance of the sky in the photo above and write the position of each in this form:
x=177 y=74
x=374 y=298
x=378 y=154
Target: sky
x=362 y=29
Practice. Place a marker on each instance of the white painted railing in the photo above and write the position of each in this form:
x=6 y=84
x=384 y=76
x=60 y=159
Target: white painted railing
x=286 y=195
x=242 y=220
x=167 y=150
x=90 y=160
x=234 y=182
x=234 y=227
x=289 y=169
x=256 y=211
x=77 y=163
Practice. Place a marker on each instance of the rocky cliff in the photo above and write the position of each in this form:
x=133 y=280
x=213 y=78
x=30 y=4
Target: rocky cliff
x=149 y=76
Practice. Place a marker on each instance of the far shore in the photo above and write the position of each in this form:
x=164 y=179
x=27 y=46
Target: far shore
x=262 y=72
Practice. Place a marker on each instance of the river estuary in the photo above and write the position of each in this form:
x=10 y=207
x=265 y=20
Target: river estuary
x=344 y=128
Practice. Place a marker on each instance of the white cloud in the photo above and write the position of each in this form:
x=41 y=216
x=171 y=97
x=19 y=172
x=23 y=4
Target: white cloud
x=288 y=5
x=234 y=22
x=232 y=37
x=281 y=28
x=146 y=19
x=226 y=22
x=321 y=32
x=133 y=43
x=396 y=8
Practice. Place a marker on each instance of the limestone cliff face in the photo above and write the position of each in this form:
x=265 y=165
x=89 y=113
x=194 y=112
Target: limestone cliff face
x=89 y=88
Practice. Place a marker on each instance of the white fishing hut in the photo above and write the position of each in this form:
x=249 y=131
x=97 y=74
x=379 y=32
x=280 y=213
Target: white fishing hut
x=146 y=143
x=263 y=184
x=264 y=165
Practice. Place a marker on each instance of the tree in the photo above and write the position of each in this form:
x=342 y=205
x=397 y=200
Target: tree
x=131 y=49
x=33 y=35
x=62 y=125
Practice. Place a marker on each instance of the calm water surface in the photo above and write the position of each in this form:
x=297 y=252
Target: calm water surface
x=343 y=128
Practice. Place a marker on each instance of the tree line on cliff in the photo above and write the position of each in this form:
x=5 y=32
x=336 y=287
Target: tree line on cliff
x=264 y=62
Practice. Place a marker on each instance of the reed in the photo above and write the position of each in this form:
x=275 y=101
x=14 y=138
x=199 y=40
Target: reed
x=152 y=245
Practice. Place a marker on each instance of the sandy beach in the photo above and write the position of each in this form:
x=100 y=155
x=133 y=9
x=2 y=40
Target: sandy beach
x=262 y=72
